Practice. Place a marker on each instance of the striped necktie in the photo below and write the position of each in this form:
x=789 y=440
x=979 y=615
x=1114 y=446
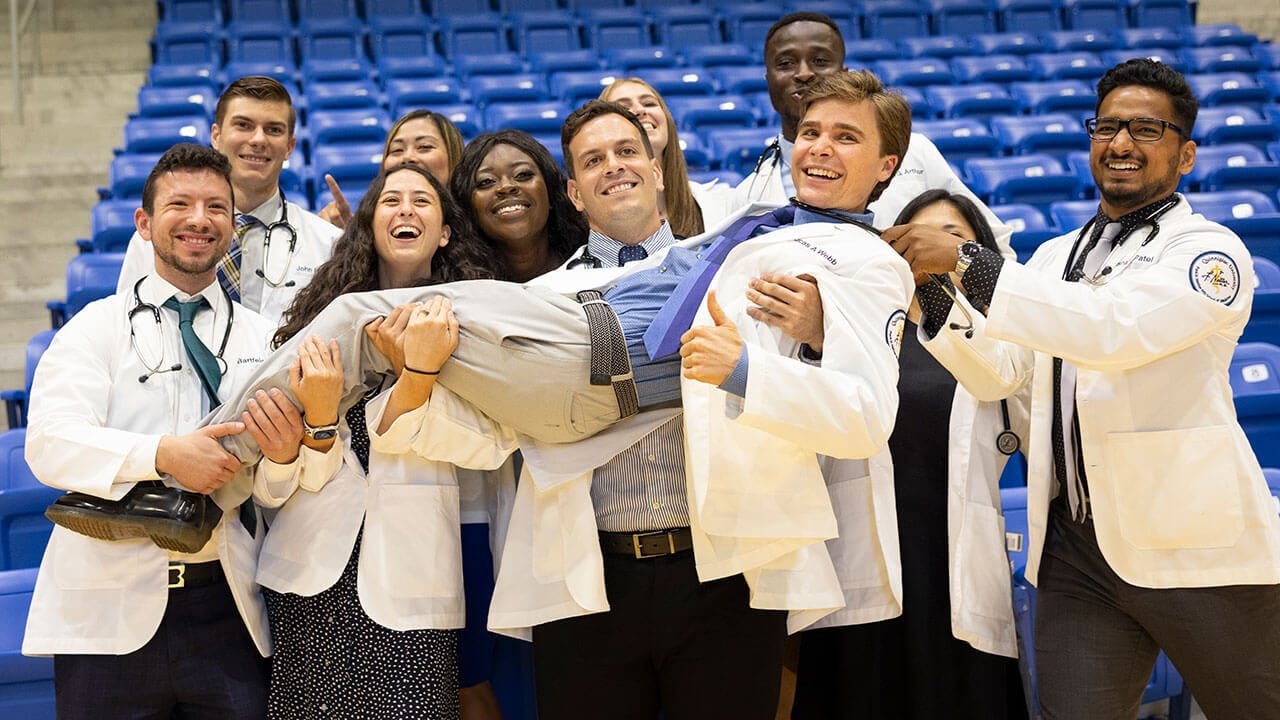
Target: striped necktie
x=229 y=265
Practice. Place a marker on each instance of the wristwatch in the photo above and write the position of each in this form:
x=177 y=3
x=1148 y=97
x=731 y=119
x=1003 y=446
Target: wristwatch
x=324 y=432
x=966 y=253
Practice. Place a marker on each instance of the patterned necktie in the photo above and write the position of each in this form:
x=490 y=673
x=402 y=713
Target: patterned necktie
x=631 y=253
x=206 y=365
x=677 y=313
x=229 y=265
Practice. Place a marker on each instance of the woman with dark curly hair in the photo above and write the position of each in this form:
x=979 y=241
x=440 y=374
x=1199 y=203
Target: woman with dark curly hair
x=362 y=566
x=516 y=194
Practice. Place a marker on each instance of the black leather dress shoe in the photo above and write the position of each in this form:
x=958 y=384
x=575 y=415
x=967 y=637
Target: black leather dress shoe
x=172 y=518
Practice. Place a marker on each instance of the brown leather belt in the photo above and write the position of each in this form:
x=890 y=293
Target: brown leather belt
x=641 y=545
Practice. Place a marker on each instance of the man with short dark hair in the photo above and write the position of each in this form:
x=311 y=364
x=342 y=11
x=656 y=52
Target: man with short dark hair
x=1151 y=526
x=278 y=244
x=159 y=616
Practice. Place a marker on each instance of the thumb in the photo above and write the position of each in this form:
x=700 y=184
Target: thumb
x=222 y=429
x=717 y=313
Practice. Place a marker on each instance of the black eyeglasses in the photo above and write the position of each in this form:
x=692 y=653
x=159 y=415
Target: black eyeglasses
x=1145 y=130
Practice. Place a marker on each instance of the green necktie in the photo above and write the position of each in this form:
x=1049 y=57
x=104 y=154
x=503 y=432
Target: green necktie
x=206 y=365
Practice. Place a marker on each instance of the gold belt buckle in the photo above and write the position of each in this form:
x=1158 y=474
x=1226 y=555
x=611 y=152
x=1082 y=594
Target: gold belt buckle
x=181 y=579
x=640 y=554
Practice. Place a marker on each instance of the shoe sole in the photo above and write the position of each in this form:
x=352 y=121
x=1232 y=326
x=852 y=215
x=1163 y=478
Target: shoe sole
x=94 y=525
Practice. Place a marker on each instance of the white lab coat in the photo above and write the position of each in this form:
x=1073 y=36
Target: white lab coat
x=923 y=168
x=94 y=428
x=761 y=509
x=1177 y=496
x=314 y=246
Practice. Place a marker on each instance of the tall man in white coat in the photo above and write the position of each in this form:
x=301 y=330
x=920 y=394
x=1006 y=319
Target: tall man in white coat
x=652 y=559
x=278 y=244
x=1151 y=526
x=801 y=49
x=135 y=630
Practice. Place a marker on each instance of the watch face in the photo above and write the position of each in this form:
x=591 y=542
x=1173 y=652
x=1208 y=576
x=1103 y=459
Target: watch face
x=324 y=434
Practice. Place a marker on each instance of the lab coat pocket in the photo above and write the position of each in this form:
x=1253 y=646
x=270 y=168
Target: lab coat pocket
x=416 y=541
x=982 y=566
x=1176 y=489
x=83 y=563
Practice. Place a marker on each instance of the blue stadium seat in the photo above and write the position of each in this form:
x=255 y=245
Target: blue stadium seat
x=938 y=46
x=845 y=14
x=864 y=52
x=176 y=100
x=1268 y=273
x=1095 y=14
x=1078 y=40
x=1146 y=37
x=1269 y=53
x=331 y=40
x=1029 y=16
x=972 y=100
x=1270 y=79
x=1072 y=214
x=697 y=154
x=545 y=30
x=24 y=530
x=616 y=27
x=633 y=59
x=961 y=17
x=959 y=139
x=1052 y=133
x=403 y=38
x=502 y=63
x=991 y=69
x=1078 y=165
x=128 y=173
x=738 y=150
x=681 y=81
x=472 y=34
x=917 y=71
x=1264 y=317
x=1218 y=34
x=717 y=56
x=507 y=7
x=687 y=26
x=1233 y=166
x=1030 y=229
x=1233 y=123
x=404 y=94
x=329 y=95
x=260 y=42
x=439 y=8
x=532 y=117
x=920 y=107
x=1007 y=43
x=1168 y=56
x=188 y=44
x=1230 y=204
x=723 y=176
x=111 y=225
x=26 y=683
x=577 y=86
x=741 y=79
x=1085 y=66
x=699 y=113
x=1038 y=180
x=185 y=75
x=155 y=135
x=285 y=72
x=748 y=22
x=348 y=126
x=16 y=400
x=1220 y=59
x=548 y=62
x=194 y=11
x=1255 y=387
x=327 y=10
x=1160 y=13
x=335 y=69
x=1227 y=88
x=580 y=5
x=351 y=164
x=1067 y=96
x=91 y=277
x=392 y=9
x=523 y=87
x=1260 y=232
x=463 y=115
x=274 y=11
x=894 y=18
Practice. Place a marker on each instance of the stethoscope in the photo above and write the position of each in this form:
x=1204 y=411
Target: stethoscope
x=586 y=260
x=158 y=368
x=283 y=225
x=773 y=155
x=1104 y=274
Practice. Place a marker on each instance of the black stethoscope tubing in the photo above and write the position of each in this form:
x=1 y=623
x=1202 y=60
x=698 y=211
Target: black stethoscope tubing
x=281 y=224
x=140 y=306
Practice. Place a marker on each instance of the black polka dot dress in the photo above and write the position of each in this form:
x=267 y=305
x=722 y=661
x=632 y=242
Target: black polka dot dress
x=332 y=661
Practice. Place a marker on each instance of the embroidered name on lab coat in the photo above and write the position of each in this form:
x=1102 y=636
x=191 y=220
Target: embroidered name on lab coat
x=818 y=251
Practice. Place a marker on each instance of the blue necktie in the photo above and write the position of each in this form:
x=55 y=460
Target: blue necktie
x=677 y=313
x=229 y=265
x=631 y=253
x=206 y=365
